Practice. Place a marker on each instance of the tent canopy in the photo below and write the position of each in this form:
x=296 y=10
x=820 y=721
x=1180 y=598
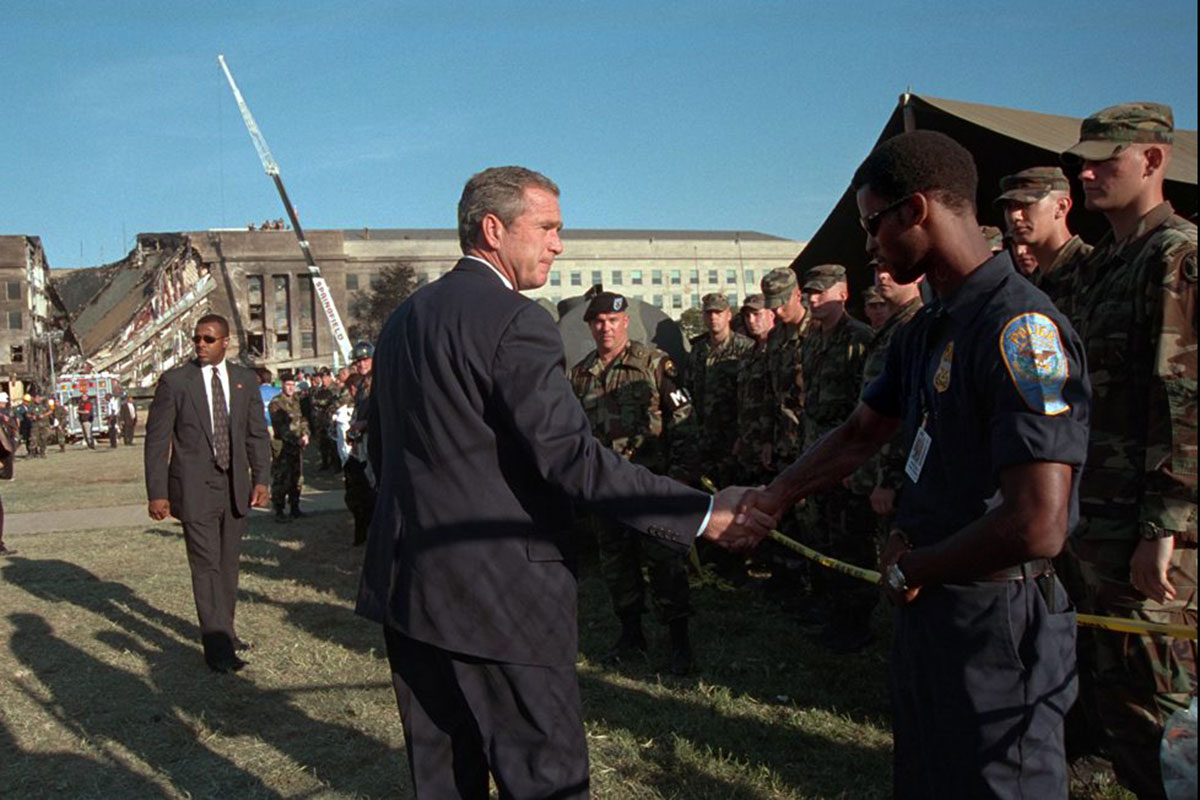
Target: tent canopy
x=1003 y=141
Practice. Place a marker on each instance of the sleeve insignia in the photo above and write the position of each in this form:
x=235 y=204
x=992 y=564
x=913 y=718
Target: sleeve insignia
x=1033 y=353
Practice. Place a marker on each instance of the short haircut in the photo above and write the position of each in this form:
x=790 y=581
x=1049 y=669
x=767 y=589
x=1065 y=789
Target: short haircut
x=214 y=319
x=499 y=191
x=921 y=161
x=264 y=374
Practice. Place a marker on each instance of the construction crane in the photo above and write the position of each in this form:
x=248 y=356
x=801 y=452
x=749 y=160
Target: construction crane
x=320 y=288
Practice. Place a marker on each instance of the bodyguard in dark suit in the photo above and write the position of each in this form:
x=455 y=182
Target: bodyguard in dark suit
x=207 y=459
x=480 y=447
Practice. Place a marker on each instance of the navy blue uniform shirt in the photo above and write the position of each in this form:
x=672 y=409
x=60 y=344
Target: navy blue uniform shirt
x=996 y=376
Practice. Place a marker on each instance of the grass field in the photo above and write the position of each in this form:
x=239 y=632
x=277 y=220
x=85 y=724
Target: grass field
x=104 y=692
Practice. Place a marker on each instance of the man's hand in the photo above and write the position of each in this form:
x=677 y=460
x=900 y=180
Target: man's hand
x=883 y=500
x=893 y=550
x=1149 y=566
x=304 y=440
x=733 y=525
x=259 y=496
x=159 y=509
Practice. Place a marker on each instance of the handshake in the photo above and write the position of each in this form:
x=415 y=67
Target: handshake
x=743 y=516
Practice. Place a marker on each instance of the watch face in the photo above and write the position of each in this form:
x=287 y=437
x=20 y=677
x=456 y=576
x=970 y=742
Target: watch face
x=895 y=578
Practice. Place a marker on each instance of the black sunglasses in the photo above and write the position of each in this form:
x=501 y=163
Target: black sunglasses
x=206 y=339
x=871 y=222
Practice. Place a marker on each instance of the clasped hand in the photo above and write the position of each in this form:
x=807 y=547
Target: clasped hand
x=738 y=522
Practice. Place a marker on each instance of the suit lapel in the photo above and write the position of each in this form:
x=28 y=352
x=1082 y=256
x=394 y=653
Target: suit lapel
x=200 y=400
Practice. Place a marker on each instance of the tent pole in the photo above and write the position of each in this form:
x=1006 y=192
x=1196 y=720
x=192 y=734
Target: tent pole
x=907 y=112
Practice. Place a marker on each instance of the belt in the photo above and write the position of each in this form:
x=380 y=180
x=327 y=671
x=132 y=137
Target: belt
x=1027 y=571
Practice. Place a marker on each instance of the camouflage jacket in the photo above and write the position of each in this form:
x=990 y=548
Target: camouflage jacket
x=323 y=401
x=831 y=364
x=784 y=423
x=1136 y=314
x=287 y=419
x=885 y=468
x=635 y=407
x=753 y=403
x=711 y=380
x=1058 y=279
x=60 y=416
x=39 y=415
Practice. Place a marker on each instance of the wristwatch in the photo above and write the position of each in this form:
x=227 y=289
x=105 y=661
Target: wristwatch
x=894 y=579
x=1151 y=532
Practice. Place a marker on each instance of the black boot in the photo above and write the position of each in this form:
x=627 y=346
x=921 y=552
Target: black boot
x=631 y=640
x=296 y=512
x=279 y=515
x=680 y=659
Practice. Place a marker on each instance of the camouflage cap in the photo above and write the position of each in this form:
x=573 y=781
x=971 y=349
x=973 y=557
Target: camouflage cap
x=1031 y=185
x=714 y=301
x=605 y=303
x=754 y=302
x=823 y=277
x=871 y=296
x=777 y=286
x=1109 y=131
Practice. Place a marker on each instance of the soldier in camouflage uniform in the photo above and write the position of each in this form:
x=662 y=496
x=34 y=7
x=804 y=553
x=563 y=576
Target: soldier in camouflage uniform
x=629 y=395
x=753 y=385
x=358 y=478
x=291 y=431
x=1134 y=553
x=39 y=432
x=831 y=366
x=58 y=424
x=323 y=400
x=875 y=308
x=1035 y=203
x=711 y=379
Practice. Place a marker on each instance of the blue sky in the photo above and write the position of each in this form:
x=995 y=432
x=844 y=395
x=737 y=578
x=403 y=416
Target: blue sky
x=695 y=115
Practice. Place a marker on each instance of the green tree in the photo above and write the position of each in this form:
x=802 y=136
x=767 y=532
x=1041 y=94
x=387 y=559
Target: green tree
x=691 y=322
x=371 y=307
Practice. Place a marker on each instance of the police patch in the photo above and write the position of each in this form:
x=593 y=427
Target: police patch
x=1033 y=353
x=941 y=378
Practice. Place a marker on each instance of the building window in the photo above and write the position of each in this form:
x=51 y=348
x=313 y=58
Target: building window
x=375 y=280
x=750 y=278
x=307 y=306
x=14 y=320
x=731 y=276
x=712 y=276
x=351 y=282
x=635 y=277
x=695 y=300
x=16 y=354
x=254 y=299
x=283 y=316
x=13 y=290
x=676 y=277
x=597 y=278
x=656 y=277
x=254 y=343
x=658 y=300
x=733 y=299
x=616 y=277
x=283 y=345
x=555 y=278
x=676 y=301
x=577 y=279
x=308 y=342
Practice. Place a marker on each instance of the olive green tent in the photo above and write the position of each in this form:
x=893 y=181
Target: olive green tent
x=1003 y=141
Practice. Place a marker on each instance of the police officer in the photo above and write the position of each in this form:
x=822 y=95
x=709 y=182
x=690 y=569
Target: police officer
x=629 y=395
x=988 y=382
x=291 y=432
x=1135 y=552
x=356 y=471
x=1036 y=202
x=831 y=362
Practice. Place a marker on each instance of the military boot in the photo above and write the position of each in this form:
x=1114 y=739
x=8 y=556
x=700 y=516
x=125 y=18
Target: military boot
x=279 y=515
x=296 y=512
x=680 y=659
x=631 y=640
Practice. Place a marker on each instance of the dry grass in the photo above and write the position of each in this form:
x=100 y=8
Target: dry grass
x=104 y=693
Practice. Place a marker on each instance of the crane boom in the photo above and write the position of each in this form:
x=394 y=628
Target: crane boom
x=320 y=288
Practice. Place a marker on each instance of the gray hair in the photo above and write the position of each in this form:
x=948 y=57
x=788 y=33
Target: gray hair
x=499 y=191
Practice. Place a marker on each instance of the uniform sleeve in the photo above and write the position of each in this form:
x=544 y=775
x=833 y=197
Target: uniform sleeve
x=679 y=422
x=1169 y=497
x=884 y=394
x=1034 y=374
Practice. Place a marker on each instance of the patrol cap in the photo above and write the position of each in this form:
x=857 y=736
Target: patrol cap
x=362 y=350
x=823 y=277
x=777 y=286
x=1031 y=185
x=605 y=303
x=714 y=301
x=754 y=302
x=871 y=296
x=1109 y=131
x=286 y=375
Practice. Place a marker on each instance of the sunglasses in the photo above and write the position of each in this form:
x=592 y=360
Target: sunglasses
x=871 y=222
x=206 y=339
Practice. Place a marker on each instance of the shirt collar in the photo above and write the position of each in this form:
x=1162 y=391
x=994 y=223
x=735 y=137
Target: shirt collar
x=974 y=291
x=507 y=283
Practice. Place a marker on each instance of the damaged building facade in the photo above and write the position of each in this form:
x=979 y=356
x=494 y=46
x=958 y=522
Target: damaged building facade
x=135 y=318
x=25 y=312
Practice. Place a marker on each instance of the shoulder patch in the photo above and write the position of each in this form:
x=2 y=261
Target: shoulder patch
x=1032 y=349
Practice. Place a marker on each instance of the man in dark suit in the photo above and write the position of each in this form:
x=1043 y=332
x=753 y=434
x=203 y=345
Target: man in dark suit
x=480 y=448
x=128 y=418
x=207 y=460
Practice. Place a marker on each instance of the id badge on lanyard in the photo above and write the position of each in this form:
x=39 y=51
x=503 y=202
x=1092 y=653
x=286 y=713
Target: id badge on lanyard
x=920 y=449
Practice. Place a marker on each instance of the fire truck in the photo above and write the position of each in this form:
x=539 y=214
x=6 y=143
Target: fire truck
x=96 y=387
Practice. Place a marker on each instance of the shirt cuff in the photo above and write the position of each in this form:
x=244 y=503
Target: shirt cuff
x=707 y=516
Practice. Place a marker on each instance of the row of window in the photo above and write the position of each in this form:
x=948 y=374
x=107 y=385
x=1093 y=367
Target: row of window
x=637 y=277
x=676 y=301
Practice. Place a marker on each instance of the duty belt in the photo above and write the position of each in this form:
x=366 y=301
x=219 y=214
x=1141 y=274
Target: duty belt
x=1023 y=572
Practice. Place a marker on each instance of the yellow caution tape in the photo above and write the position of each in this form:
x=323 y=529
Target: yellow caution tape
x=1118 y=624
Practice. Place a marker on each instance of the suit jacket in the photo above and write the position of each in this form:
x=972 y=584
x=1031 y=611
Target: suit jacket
x=179 y=445
x=480 y=448
x=128 y=414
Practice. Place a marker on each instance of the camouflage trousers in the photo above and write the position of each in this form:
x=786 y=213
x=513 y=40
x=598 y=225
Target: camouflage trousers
x=843 y=526
x=287 y=473
x=39 y=437
x=1131 y=684
x=621 y=554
